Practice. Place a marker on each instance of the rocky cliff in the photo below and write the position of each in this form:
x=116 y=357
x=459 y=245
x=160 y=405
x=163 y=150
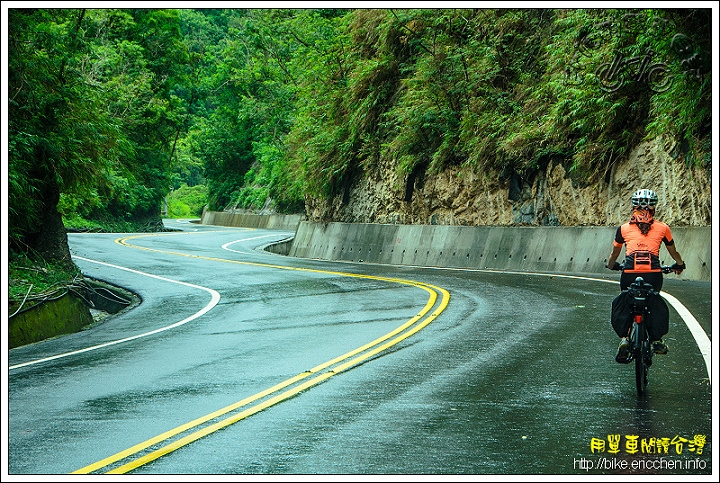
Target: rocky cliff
x=461 y=196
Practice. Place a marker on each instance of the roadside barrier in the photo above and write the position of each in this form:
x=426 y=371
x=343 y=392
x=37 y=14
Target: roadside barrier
x=561 y=249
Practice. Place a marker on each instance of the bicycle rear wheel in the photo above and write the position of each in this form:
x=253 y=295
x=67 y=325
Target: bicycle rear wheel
x=641 y=363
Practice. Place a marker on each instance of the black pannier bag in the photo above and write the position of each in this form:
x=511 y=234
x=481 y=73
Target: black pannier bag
x=621 y=316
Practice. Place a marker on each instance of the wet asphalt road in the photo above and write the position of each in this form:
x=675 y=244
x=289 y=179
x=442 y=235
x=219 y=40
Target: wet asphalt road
x=505 y=374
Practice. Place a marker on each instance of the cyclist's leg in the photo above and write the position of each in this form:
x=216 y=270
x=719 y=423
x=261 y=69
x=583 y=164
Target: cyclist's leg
x=655 y=279
x=626 y=279
x=658 y=325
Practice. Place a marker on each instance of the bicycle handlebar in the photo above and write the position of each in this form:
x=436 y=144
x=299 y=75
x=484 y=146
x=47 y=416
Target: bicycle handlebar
x=664 y=268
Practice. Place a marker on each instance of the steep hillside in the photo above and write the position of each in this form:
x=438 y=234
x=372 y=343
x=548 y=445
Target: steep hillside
x=461 y=196
x=512 y=117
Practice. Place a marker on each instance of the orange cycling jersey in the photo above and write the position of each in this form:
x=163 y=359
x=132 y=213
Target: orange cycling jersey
x=642 y=252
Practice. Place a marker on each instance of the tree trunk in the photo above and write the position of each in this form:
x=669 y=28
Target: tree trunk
x=52 y=242
x=49 y=240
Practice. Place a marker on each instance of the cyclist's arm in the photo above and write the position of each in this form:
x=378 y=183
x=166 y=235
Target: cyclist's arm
x=614 y=255
x=674 y=253
x=670 y=245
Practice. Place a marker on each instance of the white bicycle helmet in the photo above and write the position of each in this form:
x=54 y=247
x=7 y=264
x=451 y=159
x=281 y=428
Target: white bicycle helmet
x=644 y=198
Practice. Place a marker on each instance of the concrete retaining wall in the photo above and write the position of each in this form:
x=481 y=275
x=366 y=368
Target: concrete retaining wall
x=580 y=249
x=545 y=249
x=223 y=218
x=65 y=315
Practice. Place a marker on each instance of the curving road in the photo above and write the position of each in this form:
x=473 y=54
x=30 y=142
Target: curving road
x=239 y=361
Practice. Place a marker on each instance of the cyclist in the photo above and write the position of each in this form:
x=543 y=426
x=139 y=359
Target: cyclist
x=642 y=237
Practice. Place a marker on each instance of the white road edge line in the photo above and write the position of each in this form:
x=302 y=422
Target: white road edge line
x=702 y=339
x=215 y=298
x=225 y=246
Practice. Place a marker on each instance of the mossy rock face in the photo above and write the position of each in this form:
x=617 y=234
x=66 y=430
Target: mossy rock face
x=66 y=315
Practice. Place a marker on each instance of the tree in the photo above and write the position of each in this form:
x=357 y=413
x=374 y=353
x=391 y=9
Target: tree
x=60 y=137
x=97 y=102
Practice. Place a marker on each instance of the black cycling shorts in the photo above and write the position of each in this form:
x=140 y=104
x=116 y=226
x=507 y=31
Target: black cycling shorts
x=653 y=278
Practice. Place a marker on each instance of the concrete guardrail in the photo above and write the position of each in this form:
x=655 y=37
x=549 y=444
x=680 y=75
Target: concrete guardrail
x=554 y=249
x=225 y=218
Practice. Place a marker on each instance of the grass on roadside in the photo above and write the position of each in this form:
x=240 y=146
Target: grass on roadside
x=30 y=281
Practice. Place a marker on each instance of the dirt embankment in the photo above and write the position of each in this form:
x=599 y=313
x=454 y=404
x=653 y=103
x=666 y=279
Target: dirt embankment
x=461 y=196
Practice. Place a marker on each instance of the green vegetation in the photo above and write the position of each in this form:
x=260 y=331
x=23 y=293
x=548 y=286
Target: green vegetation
x=112 y=113
x=30 y=281
x=93 y=114
x=502 y=91
x=187 y=201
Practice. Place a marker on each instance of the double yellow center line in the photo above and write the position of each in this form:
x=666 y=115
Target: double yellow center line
x=169 y=441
